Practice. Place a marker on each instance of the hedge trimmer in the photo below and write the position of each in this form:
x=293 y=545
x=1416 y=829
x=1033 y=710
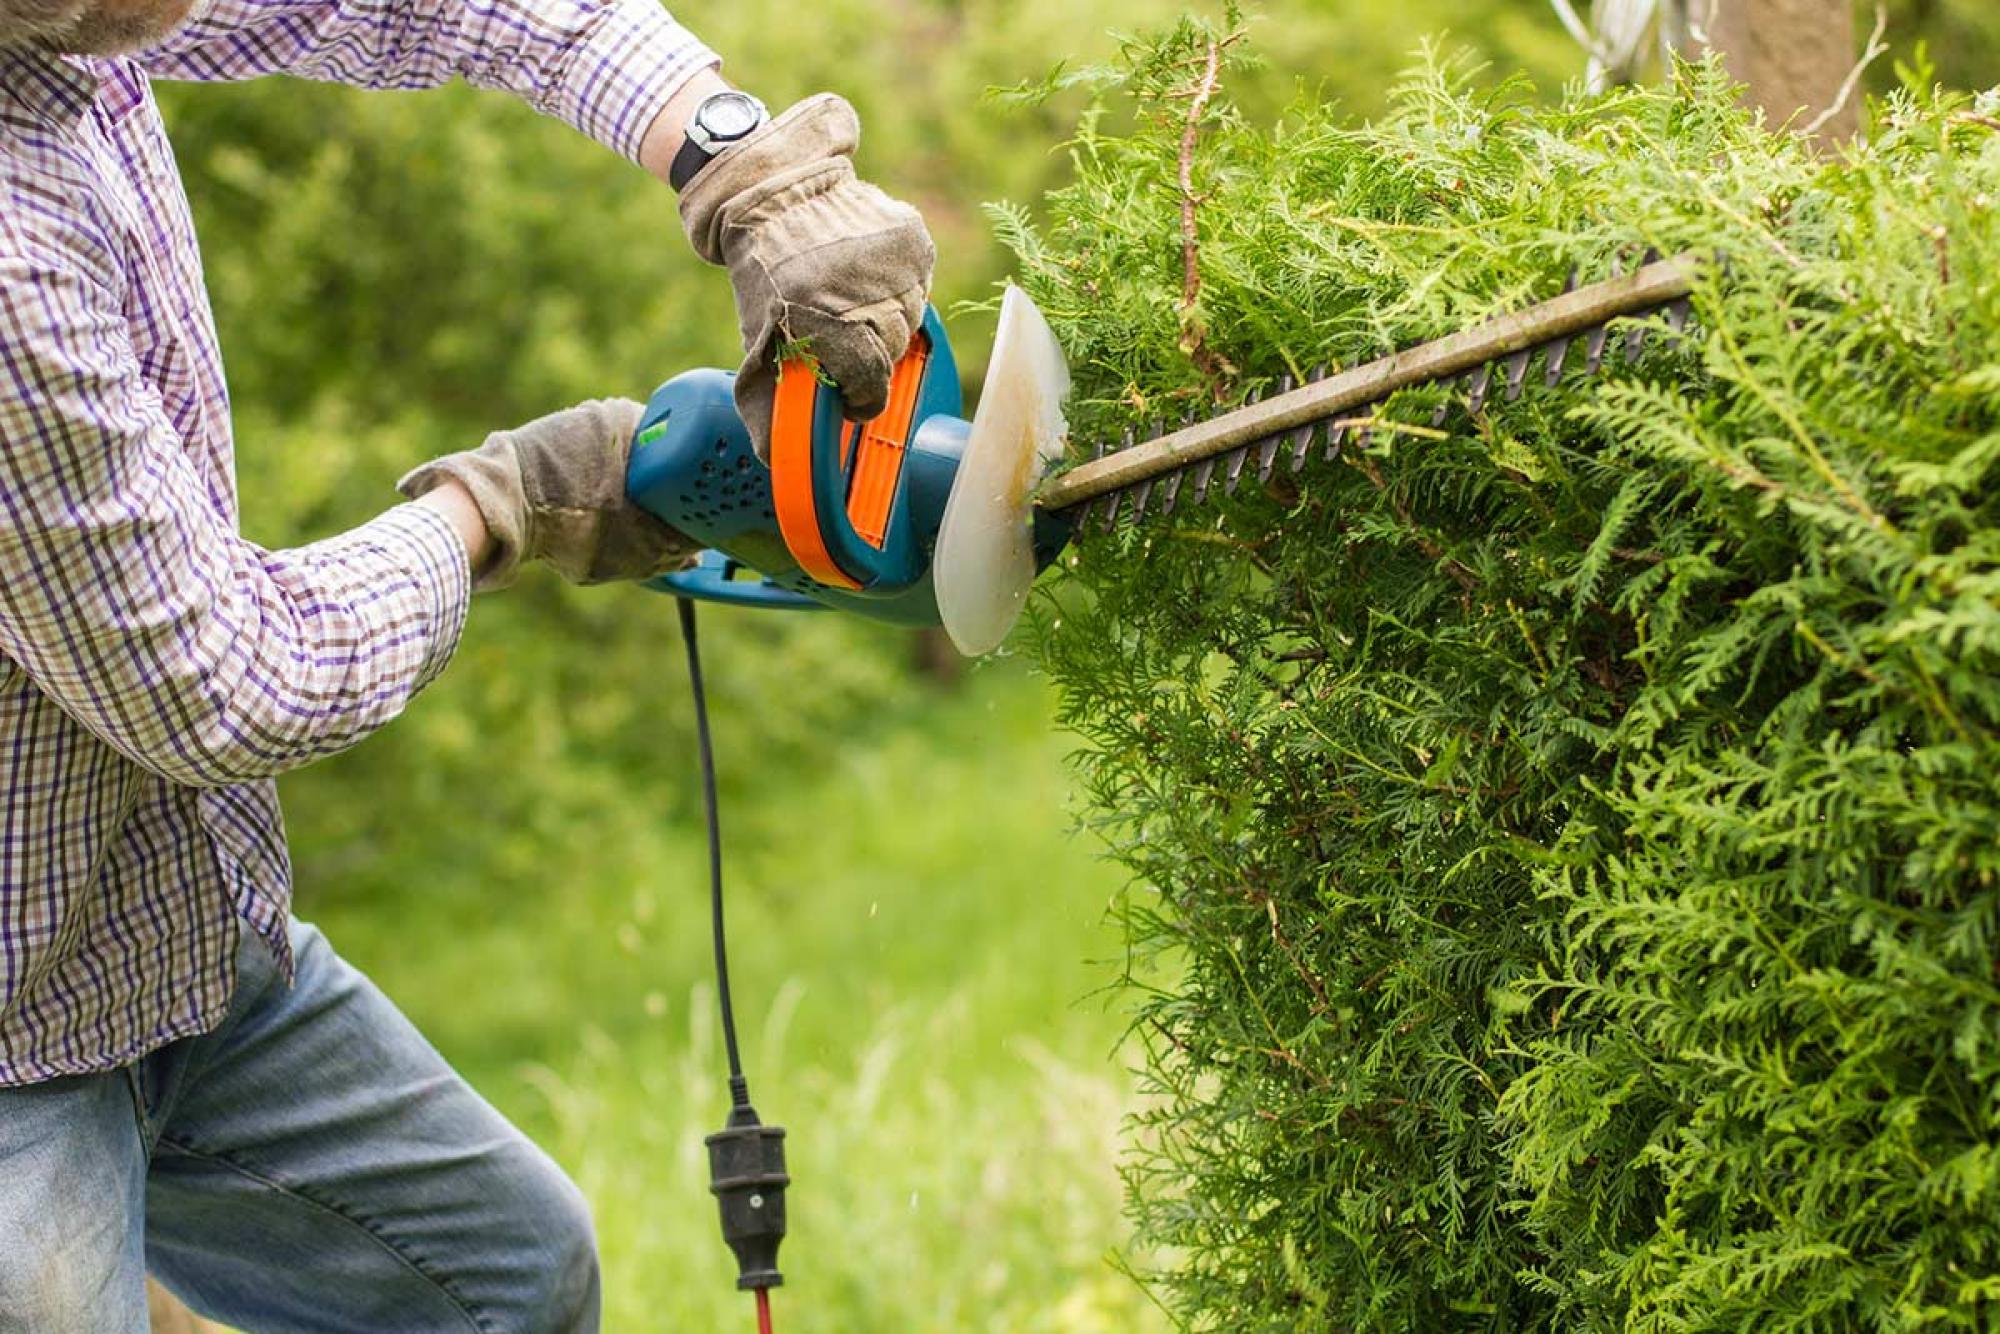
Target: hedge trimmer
x=921 y=517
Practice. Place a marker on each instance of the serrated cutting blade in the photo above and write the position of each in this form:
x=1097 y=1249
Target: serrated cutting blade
x=1302 y=443
x=1203 y=471
x=1552 y=361
x=1475 y=387
x=1593 y=348
x=1233 y=471
x=1349 y=398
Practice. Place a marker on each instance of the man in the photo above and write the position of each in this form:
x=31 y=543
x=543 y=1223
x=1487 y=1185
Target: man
x=191 y=1082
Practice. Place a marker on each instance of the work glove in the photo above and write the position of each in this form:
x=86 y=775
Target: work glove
x=816 y=256
x=554 y=491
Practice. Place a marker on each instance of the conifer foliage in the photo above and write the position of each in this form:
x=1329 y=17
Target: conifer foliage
x=1564 y=841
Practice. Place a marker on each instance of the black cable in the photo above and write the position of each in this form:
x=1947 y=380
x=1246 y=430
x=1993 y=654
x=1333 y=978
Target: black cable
x=739 y=1088
x=746 y=1158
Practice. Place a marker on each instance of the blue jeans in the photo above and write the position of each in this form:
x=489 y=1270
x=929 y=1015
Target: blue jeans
x=310 y=1165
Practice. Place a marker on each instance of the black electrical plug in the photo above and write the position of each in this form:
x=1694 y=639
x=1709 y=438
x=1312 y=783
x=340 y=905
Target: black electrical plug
x=746 y=1171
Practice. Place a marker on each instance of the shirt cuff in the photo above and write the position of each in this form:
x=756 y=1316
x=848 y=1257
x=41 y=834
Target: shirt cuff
x=423 y=544
x=615 y=83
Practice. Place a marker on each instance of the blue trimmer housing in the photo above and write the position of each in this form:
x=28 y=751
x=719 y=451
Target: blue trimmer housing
x=865 y=500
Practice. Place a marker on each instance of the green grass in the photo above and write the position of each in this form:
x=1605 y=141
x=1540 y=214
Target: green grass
x=918 y=946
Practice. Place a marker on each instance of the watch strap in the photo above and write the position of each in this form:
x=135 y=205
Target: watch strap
x=691 y=158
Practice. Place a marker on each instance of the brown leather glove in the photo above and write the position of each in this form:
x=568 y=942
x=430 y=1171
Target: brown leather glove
x=815 y=255
x=554 y=490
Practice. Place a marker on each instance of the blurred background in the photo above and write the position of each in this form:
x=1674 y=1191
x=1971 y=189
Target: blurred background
x=924 y=943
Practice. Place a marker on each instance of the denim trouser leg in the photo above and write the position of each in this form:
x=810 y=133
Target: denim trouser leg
x=72 y=1208
x=311 y=1165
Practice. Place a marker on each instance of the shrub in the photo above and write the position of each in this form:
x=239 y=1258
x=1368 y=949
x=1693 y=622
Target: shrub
x=1564 y=842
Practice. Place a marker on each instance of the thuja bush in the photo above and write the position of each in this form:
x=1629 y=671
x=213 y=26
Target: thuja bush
x=1565 y=839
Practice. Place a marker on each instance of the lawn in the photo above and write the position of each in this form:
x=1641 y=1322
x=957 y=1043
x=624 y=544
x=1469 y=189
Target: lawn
x=920 y=945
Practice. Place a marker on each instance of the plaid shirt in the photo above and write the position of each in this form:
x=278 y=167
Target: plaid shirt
x=157 y=671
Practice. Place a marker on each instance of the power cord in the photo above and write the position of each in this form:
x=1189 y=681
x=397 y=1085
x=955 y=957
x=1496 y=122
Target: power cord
x=746 y=1158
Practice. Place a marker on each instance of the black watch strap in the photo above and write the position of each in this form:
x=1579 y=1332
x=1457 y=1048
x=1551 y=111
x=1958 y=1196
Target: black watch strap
x=691 y=159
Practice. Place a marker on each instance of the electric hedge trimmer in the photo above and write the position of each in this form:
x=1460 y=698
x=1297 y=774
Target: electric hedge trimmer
x=921 y=517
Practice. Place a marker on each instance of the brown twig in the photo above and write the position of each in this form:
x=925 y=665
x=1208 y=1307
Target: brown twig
x=1213 y=368
x=1169 y=1035
x=1190 y=137
x=1284 y=944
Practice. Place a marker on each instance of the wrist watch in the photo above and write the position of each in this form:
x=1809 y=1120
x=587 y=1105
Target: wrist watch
x=720 y=120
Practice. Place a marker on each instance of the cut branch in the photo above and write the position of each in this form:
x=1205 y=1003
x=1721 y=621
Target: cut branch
x=1212 y=367
x=1190 y=139
x=1876 y=47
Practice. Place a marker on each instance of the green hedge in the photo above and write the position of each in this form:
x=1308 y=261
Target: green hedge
x=1565 y=843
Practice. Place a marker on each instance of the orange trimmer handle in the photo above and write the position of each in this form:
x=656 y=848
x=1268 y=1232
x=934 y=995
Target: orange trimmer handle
x=834 y=483
x=796 y=413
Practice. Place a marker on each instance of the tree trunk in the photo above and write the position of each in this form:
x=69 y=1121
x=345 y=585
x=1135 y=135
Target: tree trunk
x=1793 y=55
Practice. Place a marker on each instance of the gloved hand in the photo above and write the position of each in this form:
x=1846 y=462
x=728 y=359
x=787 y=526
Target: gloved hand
x=815 y=255
x=554 y=490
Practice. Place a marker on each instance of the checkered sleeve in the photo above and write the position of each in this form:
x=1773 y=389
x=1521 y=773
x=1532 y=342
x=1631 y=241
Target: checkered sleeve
x=133 y=602
x=605 y=66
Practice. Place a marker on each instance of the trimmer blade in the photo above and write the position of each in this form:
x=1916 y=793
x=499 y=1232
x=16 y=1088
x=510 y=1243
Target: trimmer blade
x=1475 y=367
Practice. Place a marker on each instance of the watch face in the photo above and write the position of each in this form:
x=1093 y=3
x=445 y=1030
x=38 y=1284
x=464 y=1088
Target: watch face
x=729 y=116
